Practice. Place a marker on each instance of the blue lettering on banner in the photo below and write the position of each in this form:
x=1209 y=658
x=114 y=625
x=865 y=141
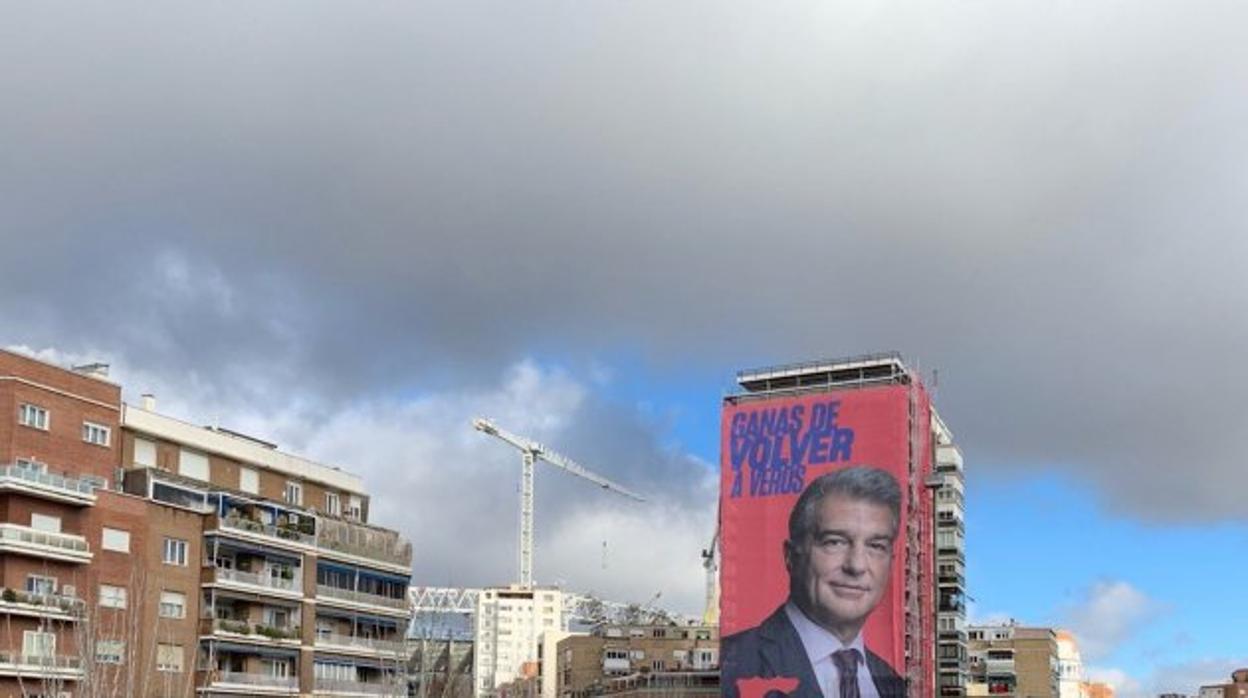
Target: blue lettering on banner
x=778 y=443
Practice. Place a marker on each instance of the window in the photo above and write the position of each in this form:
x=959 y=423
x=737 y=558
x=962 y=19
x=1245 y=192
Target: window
x=277 y=668
x=33 y=416
x=43 y=522
x=175 y=552
x=110 y=651
x=172 y=604
x=112 y=597
x=294 y=493
x=116 y=540
x=94 y=433
x=168 y=657
x=192 y=464
x=355 y=508
x=145 y=453
x=32 y=465
x=275 y=617
x=39 y=584
x=38 y=644
x=333 y=506
x=249 y=480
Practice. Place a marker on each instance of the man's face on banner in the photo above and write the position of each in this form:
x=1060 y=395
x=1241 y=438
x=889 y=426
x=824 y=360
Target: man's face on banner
x=838 y=574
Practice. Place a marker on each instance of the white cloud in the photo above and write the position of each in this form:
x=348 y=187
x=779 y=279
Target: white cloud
x=1109 y=613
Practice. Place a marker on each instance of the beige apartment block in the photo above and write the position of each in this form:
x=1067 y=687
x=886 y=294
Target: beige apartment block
x=141 y=555
x=674 y=660
x=1013 y=661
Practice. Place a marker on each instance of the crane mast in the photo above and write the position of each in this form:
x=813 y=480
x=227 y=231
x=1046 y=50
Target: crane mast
x=530 y=452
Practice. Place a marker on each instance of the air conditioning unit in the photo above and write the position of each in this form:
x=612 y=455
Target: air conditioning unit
x=69 y=590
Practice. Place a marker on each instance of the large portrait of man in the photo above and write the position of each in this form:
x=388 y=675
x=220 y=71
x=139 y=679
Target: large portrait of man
x=839 y=554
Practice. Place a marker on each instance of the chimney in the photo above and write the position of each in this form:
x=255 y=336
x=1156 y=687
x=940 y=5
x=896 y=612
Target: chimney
x=149 y=402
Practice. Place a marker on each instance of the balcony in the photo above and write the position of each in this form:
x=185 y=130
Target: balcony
x=40 y=666
x=250 y=684
x=251 y=581
x=333 y=687
x=24 y=540
x=25 y=603
x=366 y=644
x=14 y=478
x=361 y=598
x=268 y=533
x=242 y=630
x=359 y=541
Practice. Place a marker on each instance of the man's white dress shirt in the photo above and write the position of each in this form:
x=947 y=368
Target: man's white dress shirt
x=820 y=644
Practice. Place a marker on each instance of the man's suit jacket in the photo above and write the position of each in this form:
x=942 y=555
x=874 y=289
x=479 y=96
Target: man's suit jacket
x=774 y=649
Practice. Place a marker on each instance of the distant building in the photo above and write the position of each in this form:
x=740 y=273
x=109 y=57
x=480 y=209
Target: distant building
x=1070 y=683
x=509 y=626
x=951 y=649
x=1012 y=660
x=669 y=659
x=1237 y=688
x=1094 y=689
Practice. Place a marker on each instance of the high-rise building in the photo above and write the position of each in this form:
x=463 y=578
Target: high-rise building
x=950 y=496
x=926 y=629
x=510 y=623
x=1012 y=660
x=142 y=555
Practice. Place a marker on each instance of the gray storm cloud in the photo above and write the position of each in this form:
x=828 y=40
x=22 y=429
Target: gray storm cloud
x=1041 y=200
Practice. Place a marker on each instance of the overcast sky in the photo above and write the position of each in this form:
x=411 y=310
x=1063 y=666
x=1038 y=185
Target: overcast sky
x=351 y=226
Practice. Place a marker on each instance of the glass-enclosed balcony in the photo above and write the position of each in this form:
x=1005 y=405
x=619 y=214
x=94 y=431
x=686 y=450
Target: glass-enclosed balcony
x=359 y=633
x=366 y=589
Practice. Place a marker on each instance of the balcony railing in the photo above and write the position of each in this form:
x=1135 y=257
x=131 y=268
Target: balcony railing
x=36 y=662
x=357 y=687
x=367 y=643
x=78 y=489
x=55 y=603
x=359 y=540
x=245 y=679
x=360 y=597
x=267 y=530
x=242 y=627
x=267 y=581
x=21 y=536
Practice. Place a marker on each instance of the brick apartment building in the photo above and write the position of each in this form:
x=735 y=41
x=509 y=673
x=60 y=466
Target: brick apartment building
x=144 y=556
x=673 y=660
x=1012 y=660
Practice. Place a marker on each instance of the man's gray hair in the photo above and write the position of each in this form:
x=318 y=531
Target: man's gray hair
x=861 y=482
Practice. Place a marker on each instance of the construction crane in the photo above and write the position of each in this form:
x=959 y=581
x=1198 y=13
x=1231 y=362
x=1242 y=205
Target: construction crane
x=530 y=452
x=710 y=562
